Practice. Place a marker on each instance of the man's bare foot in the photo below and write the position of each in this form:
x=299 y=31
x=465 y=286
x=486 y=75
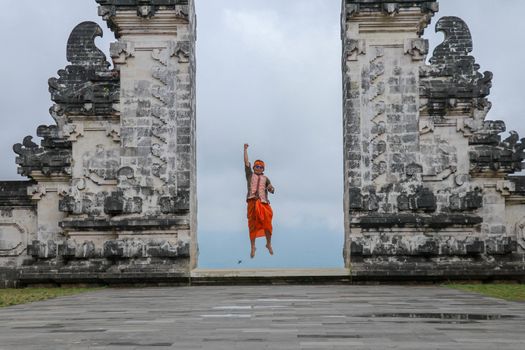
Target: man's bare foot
x=252 y=254
x=270 y=249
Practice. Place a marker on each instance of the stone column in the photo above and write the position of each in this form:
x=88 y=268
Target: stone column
x=155 y=55
x=382 y=55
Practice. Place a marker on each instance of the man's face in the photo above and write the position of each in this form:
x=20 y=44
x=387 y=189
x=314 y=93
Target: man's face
x=258 y=169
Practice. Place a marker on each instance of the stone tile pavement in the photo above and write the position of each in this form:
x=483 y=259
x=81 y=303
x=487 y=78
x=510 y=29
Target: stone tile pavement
x=267 y=317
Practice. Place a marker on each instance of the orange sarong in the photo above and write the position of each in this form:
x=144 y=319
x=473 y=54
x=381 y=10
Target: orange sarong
x=259 y=218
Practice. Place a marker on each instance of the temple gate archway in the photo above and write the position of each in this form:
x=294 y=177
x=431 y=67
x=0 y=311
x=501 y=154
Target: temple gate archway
x=429 y=191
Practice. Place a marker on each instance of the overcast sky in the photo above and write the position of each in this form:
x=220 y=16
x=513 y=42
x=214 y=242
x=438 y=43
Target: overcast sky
x=268 y=74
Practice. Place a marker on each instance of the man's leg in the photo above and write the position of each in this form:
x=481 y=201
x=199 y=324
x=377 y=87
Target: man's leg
x=269 y=241
x=252 y=254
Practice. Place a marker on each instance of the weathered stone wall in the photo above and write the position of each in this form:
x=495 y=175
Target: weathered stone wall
x=113 y=190
x=427 y=190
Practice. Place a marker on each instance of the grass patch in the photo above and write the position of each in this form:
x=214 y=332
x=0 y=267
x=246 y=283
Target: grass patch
x=9 y=297
x=512 y=292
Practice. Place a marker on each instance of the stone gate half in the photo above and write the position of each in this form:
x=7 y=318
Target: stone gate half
x=428 y=189
x=112 y=190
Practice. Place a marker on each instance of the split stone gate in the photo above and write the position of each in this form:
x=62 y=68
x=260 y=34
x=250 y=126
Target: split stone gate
x=111 y=194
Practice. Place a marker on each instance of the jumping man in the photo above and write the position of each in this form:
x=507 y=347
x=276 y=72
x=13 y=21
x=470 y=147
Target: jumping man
x=260 y=212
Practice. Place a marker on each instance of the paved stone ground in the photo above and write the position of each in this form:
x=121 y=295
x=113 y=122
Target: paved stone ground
x=267 y=317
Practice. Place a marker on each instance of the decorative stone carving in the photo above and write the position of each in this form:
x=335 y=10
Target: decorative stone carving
x=520 y=233
x=117 y=204
x=453 y=74
x=506 y=188
x=354 y=48
x=466 y=201
x=488 y=133
x=120 y=51
x=11 y=239
x=503 y=158
x=53 y=157
x=422 y=200
x=113 y=131
x=417 y=48
x=439 y=159
x=390 y=8
x=85 y=90
x=87 y=86
x=355 y=199
x=139 y=249
x=102 y=165
x=175 y=205
x=73 y=131
x=43 y=250
x=36 y=192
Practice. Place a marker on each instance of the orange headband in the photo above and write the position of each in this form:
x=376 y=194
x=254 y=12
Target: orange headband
x=259 y=162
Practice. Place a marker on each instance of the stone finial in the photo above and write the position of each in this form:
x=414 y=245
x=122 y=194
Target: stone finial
x=457 y=44
x=52 y=157
x=81 y=48
x=452 y=84
x=453 y=74
x=500 y=158
x=87 y=86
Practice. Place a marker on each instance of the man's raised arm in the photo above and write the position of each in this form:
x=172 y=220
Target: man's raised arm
x=246 y=161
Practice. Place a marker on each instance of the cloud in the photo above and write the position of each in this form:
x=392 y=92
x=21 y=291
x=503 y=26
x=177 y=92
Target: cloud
x=279 y=89
x=257 y=30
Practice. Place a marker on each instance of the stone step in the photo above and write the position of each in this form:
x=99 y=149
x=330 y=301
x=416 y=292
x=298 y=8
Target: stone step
x=235 y=273
x=269 y=276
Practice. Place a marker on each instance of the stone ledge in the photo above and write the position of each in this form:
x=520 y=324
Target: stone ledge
x=124 y=225
x=393 y=5
x=104 y=278
x=359 y=275
x=423 y=274
x=407 y=220
x=197 y=277
x=423 y=246
x=135 y=3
